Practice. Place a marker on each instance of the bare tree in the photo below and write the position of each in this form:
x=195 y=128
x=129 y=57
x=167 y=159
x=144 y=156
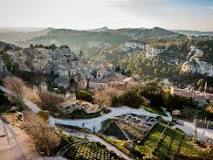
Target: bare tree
x=15 y=85
x=50 y=100
x=104 y=97
x=45 y=139
x=20 y=90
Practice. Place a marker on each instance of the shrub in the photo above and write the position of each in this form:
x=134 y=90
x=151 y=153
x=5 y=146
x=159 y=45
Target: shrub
x=176 y=102
x=131 y=98
x=209 y=108
x=15 y=85
x=43 y=115
x=31 y=95
x=20 y=91
x=106 y=96
x=84 y=95
x=49 y=100
x=152 y=90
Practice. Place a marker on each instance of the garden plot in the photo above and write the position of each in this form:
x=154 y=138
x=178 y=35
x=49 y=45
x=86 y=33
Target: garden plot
x=130 y=127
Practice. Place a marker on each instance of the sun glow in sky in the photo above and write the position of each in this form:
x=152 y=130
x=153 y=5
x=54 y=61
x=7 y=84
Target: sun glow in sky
x=88 y=14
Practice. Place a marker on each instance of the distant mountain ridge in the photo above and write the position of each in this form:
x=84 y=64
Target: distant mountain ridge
x=194 y=33
x=76 y=38
x=20 y=37
x=102 y=29
x=79 y=38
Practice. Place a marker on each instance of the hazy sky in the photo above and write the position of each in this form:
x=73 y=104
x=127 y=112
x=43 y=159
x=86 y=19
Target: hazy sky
x=87 y=14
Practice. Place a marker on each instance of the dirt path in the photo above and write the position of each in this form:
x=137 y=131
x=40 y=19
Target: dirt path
x=16 y=144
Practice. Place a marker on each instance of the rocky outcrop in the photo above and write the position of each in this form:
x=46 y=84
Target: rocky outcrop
x=151 y=52
x=32 y=59
x=195 y=64
x=3 y=69
x=7 y=46
x=129 y=46
x=100 y=44
x=63 y=55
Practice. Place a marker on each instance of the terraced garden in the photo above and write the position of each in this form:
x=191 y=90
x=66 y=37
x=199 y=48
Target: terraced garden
x=90 y=151
x=74 y=148
x=173 y=142
x=126 y=130
x=134 y=132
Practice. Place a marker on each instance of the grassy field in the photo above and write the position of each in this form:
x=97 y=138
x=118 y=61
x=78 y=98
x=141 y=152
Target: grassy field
x=172 y=142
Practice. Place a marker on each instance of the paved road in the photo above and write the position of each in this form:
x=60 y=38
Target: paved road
x=188 y=128
x=94 y=138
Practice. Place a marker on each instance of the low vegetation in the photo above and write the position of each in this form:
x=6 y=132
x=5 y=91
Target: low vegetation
x=84 y=95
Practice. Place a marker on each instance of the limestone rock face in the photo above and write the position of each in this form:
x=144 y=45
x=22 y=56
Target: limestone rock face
x=100 y=44
x=63 y=55
x=151 y=52
x=3 y=69
x=128 y=46
x=195 y=64
x=32 y=59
